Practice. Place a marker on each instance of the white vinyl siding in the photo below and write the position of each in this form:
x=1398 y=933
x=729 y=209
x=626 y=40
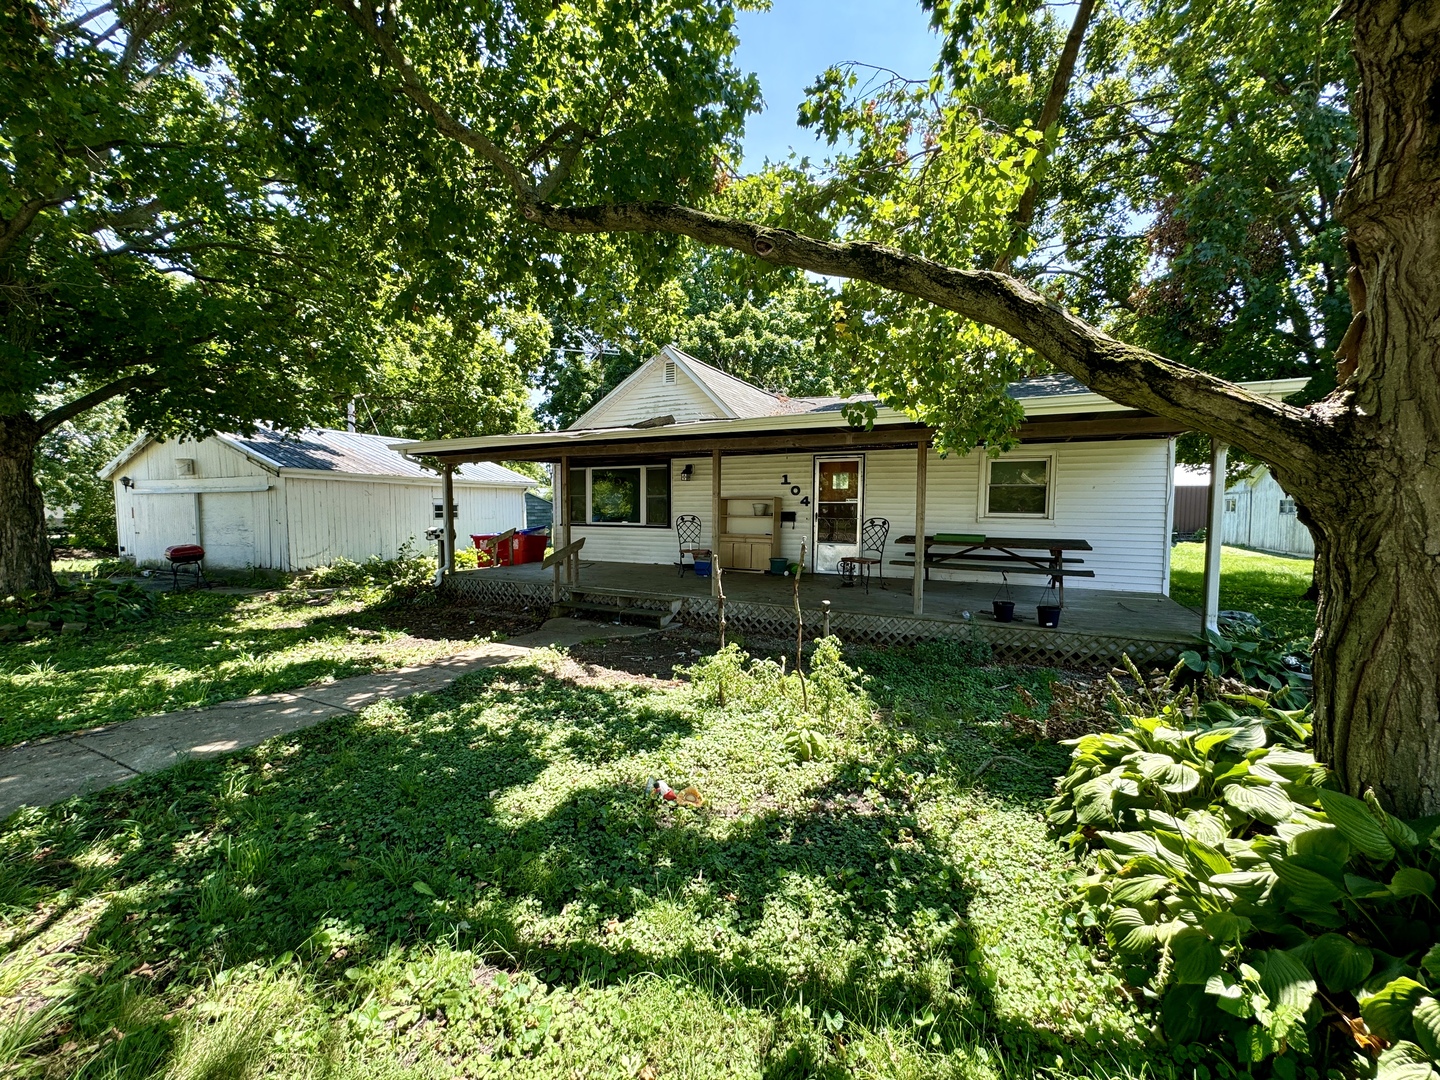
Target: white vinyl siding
x=1113 y=494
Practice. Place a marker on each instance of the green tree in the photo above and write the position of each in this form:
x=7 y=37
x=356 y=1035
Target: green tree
x=435 y=380
x=920 y=220
x=153 y=250
x=67 y=463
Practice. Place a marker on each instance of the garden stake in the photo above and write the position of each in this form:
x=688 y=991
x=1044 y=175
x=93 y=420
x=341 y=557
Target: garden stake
x=800 y=634
x=825 y=607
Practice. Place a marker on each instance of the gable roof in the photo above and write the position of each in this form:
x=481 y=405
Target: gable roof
x=344 y=453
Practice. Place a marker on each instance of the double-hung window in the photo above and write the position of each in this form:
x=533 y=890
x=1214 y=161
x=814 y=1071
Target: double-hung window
x=621 y=495
x=1019 y=486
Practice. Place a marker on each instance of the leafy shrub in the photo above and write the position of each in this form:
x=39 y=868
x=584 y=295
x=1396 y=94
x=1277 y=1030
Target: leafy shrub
x=1256 y=657
x=407 y=577
x=95 y=605
x=1252 y=902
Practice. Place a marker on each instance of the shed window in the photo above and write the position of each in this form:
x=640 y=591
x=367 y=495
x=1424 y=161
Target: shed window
x=621 y=495
x=1287 y=506
x=1017 y=487
x=439 y=506
x=1230 y=505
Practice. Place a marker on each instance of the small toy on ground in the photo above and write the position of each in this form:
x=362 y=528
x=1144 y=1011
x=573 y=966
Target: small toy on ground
x=690 y=796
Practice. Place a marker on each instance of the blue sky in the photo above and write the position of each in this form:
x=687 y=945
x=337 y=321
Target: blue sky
x=793 y=42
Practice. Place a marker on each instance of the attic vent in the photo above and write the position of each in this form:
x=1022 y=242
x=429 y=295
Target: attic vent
x=668 y=378
x=184 y=466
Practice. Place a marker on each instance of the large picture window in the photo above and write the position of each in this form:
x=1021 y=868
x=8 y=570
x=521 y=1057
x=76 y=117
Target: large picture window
x=621 y=495
x=1019 y=487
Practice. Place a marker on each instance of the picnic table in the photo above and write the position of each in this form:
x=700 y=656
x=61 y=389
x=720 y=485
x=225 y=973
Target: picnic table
x=1001 y=554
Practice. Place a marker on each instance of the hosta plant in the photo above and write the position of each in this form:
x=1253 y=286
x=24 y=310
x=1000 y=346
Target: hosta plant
x=1261 y=910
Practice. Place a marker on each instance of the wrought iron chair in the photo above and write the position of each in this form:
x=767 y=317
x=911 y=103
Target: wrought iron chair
x=687 y=529
x=873 y=535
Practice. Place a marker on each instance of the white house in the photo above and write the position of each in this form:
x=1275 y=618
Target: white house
x=1258 y=514
x=680 y=437
x=291 y=501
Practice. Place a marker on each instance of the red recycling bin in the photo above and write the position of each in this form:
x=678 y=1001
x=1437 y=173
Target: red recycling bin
x=530 y=547
x=486 y=552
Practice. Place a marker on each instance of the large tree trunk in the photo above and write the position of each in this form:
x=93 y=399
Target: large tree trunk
x=24 y=549
x=1377 y=659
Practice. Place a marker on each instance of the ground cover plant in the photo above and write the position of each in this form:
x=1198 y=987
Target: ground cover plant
x=1263 y=912
x=197 y=648
x=475 y=882
x=1272 y=587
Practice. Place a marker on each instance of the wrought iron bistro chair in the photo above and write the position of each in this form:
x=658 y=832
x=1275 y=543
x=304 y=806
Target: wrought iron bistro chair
x=687 y=529
x=873 y=535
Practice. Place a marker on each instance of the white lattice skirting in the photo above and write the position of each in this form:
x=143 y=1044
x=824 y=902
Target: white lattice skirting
x=1018 y=644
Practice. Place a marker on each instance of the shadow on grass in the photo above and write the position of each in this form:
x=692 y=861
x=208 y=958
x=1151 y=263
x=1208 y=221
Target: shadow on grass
x=433 y=823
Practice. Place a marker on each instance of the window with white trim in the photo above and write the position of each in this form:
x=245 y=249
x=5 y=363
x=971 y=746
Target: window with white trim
x=1230 y=505
x=1287 y=507
x=621 y=495
x=1017 y=486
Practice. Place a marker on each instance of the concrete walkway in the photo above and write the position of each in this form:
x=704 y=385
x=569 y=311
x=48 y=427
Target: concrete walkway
x=42 y=773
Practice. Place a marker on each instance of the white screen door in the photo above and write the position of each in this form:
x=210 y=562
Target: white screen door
x=839 y=501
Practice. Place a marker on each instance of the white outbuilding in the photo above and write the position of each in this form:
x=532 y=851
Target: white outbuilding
x=295 y=500
x=1259 y=514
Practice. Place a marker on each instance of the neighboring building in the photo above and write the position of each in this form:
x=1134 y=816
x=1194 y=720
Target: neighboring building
x=1258 y=514
x=294 y=501
x=539 y=513
x=1192 y=499
x=1086 y=469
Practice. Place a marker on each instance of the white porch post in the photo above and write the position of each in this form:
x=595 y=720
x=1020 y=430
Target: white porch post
x=1214 y=528
x=447 y=492
x=917 y=589
x=715 y=507
x=562 y=507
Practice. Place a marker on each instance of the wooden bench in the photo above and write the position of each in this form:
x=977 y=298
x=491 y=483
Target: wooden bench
x=971 y=553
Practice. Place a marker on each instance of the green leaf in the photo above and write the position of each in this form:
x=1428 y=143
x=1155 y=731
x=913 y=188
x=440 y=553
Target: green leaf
x=1412 y=881
x=1196 y=957
x=1183 y=1013
x=1431 y=961
x=1356 y=823
x=1395 y=830
x=1308 y=888
x=1095 y=802
x=1213 y=738
x=1227 y=926
x=1228 y=994
x=1390 y=1013
x=1340 y=963
x=1286 y=981
x=423 y=889
x=1264 y=802
x=1427 y=1026
x=1323 y=849
x=1363 y=888
x=1138 y=889
x=1405 y=1061
x=1130 y=932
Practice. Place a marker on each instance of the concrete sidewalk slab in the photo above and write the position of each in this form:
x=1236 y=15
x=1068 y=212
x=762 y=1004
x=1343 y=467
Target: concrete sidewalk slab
x=39 y=774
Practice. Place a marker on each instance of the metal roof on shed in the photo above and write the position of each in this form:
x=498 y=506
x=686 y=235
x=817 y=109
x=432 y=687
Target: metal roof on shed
x=353 y=452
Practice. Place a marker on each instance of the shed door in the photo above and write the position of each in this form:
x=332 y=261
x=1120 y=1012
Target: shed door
x=227 y=528
x=162 y=521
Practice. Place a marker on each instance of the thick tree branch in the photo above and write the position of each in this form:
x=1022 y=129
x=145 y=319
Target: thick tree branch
x=364 y=16
x=71 y=409
x=1279 y=433
x=1049 y=115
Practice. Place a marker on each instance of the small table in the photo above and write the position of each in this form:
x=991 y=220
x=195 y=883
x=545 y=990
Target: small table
x=1010 y=556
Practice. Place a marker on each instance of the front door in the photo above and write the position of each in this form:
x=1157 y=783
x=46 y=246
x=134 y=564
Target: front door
x=839 y=499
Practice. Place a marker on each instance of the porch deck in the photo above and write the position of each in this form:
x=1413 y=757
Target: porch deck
x=1097 y=625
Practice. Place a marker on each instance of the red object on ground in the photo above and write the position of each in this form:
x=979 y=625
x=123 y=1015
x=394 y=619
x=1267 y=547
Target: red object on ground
x=488 y=555
x=184 y=553
x=530 y=547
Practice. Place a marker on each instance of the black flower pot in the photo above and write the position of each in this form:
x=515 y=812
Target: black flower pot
x=1049 y=614
x=1004 y=610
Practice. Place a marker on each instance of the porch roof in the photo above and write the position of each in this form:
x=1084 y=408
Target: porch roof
x=1057 y=409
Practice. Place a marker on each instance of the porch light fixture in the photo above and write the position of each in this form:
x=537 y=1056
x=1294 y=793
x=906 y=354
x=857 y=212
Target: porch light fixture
x=126 y=483
x=687 y=472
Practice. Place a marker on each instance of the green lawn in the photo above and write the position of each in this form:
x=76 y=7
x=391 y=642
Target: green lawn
x=474 y=883
x=200 y=648
x=1271 y=586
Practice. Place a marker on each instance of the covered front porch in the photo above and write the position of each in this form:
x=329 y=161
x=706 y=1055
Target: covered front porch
x=1096 y=626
